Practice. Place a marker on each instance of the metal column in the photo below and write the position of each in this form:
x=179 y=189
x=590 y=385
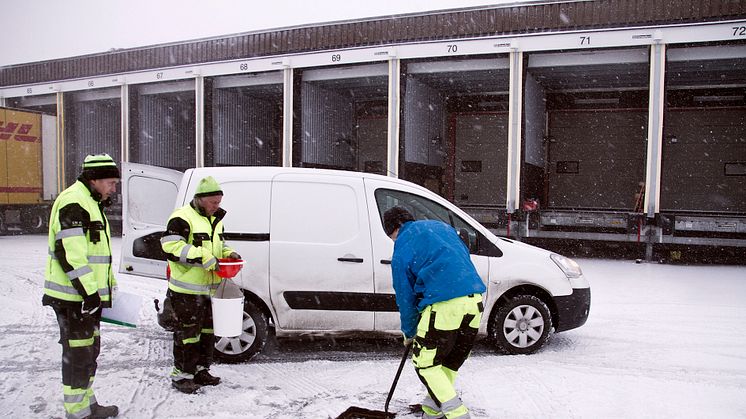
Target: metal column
x=514 y=130
x=392 y=163
x=199 y=120
x=125 y=125
x=61 y=142
x=655 y=140
x=287 y=117
x=655 y=129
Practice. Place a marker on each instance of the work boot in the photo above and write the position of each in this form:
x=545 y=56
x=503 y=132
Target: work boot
x=185 y=385
x=101 y=412
x=204 y=378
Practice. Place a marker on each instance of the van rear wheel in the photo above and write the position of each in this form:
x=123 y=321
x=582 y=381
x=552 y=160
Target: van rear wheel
x=522 y=325
x=251 y=341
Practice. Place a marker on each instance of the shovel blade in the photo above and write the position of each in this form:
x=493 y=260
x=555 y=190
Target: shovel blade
x=354 y=412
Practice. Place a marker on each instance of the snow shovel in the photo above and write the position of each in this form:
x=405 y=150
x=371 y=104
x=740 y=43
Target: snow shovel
x=354 y=412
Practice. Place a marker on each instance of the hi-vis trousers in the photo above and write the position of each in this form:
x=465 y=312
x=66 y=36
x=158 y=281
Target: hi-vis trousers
x=81 y=344
x=445 y=337
x=194 y=339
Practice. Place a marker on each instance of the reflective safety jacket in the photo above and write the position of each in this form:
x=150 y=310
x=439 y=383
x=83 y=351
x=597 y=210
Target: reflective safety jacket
x=193 y=242
x=79 y=245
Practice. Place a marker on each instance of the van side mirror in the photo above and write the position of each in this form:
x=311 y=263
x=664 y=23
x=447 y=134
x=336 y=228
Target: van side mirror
x=464 y=234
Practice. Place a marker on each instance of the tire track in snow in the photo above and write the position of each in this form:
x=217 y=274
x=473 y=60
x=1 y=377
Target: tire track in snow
x=146 y=367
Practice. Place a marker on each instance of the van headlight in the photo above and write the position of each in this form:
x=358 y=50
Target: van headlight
x=568 y=266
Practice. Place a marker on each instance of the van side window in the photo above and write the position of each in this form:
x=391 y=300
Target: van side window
x=425 y=209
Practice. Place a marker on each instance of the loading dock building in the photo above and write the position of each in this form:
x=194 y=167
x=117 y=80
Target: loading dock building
x=614 y=120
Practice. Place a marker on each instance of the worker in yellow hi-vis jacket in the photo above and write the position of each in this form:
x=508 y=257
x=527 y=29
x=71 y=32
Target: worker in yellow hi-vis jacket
x=79 y=280
x=193 y=243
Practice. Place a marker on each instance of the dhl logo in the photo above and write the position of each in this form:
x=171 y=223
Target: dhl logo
x=20 y=130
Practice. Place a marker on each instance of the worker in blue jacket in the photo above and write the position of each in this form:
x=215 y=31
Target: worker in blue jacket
x=439 y=295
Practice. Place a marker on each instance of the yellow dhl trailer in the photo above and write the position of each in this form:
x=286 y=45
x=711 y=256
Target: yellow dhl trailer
x=28 y=183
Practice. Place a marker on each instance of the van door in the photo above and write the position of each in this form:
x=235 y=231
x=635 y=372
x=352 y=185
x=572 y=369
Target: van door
x=321 y=271
x=149 y=198
x=424 y=205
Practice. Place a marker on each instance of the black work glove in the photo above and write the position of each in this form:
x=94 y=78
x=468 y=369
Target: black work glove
x=234 y=255
x=91 y=304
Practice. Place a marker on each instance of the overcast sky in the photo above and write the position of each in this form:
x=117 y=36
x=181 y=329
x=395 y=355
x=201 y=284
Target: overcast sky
x=39 y=30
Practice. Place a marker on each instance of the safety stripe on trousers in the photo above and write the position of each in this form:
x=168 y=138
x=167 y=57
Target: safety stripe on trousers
x=194 y=339
x=80 y=343
x=452 y=407
x=177 y=374
x=81 y=414
x=74 y=398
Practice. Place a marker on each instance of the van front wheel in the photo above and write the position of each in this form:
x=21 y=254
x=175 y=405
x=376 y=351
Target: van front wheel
x=522 y=325
x=251 y=341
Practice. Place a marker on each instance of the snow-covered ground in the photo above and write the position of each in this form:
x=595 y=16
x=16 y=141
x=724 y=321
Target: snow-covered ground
x=662 y=341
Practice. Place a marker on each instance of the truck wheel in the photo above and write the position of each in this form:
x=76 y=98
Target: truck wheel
x=242 y=348
x=36 y=223
x=522 y=326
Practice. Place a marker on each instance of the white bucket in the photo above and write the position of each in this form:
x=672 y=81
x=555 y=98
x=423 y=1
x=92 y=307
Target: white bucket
x=227 y=316
x=125 y=310
x=227 y=310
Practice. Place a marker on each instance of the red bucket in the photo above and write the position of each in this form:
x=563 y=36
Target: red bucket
x=229 y=267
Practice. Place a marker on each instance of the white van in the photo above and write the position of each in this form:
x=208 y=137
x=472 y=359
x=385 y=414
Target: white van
x=318 y=260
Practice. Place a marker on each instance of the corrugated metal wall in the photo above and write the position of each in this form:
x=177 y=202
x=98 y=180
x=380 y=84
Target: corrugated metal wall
x=327 y=128
x=93 y=127
x=424 y=130
x=243 y=133
x=514 y=19
x=166 y=134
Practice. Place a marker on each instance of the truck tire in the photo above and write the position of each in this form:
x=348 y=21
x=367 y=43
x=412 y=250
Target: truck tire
x=36 y=222
x=522 y=325
x=255 y=333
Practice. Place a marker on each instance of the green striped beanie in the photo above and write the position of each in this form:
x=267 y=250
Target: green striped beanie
x=100 y=166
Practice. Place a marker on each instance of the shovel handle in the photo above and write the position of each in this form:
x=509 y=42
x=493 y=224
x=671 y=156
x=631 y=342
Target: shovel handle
x=398 y=373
